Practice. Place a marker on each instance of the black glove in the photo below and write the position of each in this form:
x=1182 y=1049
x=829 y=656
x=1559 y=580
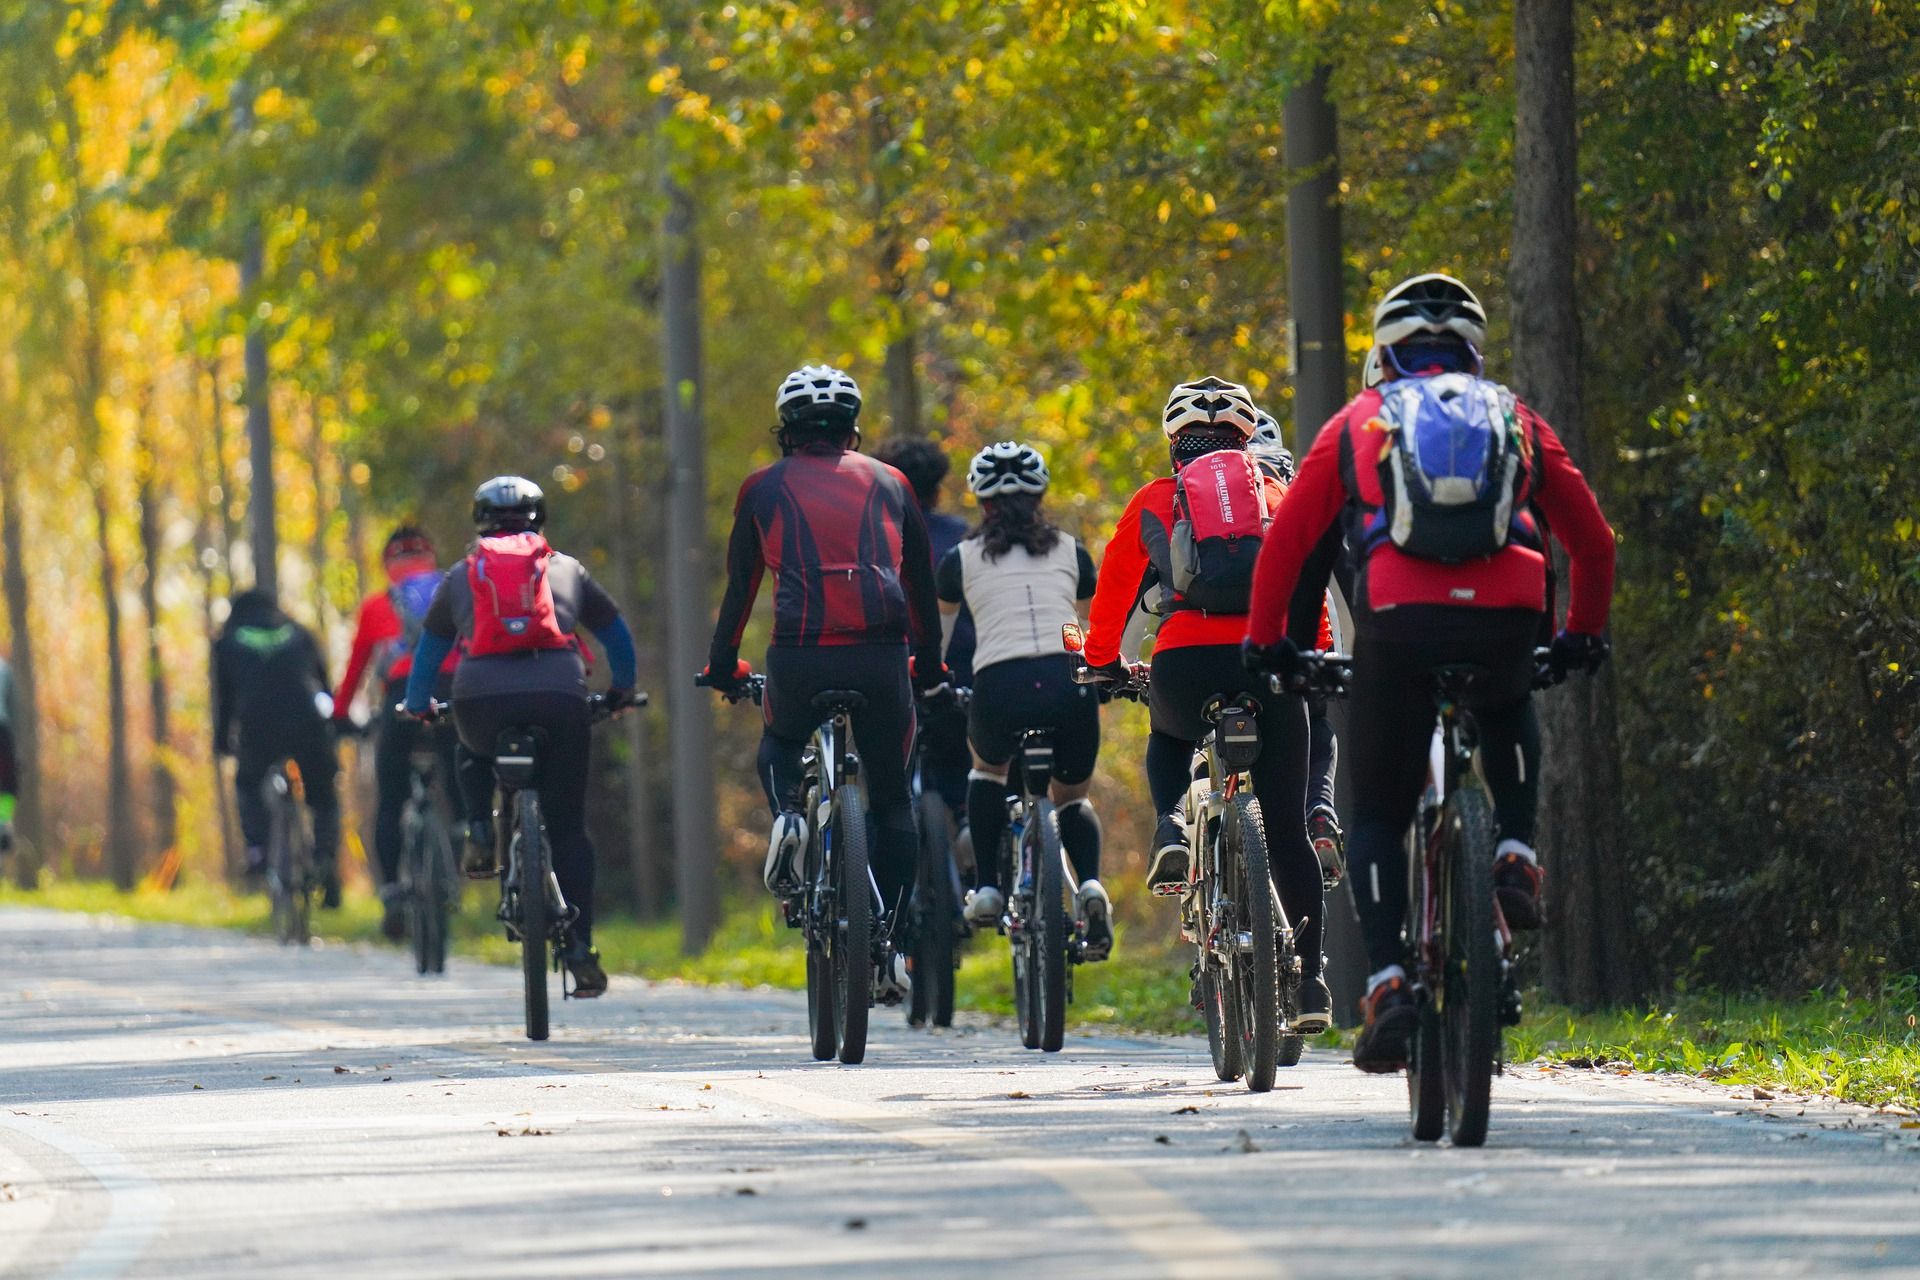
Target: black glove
x=929 y=673
x=619 y=699
x=1578 y=651
x=1115 y=672
x=727 y=676
x=1282 y=658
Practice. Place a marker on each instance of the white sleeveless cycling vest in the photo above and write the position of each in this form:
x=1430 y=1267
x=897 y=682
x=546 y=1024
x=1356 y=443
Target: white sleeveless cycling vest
x=1020 y=601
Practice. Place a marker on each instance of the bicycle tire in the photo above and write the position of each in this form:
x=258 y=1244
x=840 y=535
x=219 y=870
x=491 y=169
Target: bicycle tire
x=1223 y=1024
x=823 y=1030
x=300 y=872
x=279 y=866
x=853 y=940
x=441 y=892
x=936 y=910
x=1256 y=973
x=1020 y=912
x=412 y=890
x=1470 y=1008
x=535 y=921
x=1050 y=930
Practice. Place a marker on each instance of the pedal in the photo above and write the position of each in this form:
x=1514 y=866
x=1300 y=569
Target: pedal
x=1178 y=889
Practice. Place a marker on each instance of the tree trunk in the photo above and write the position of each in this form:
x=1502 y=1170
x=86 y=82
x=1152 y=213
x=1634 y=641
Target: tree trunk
x=165 y=818
x=317 y=545
x=646 y=892
x=29 y=824
x=1588 y=948
x=261 y=506
x=1318 y=322
x=215 y=543
x=122 y=851
x=689 y=618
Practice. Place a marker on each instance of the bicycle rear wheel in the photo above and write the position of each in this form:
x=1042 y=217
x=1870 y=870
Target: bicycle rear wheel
x=439 y=891
x=1223 y=1022
x=412 y=888
x=1049 y=929
x=1256 y=970
x=936 y=908
x=1470 y=1004
x=535 y=919
x=853 y=939
x=1426 y=1075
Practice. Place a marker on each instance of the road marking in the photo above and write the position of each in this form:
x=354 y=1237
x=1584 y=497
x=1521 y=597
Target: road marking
x=136 y=1207
x=1156 y=1225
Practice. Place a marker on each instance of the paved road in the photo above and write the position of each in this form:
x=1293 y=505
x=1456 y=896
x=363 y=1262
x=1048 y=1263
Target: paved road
x=185 y=1103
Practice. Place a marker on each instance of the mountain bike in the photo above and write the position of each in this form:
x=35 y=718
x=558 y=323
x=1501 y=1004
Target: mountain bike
x=1247 y=968
x=938 y=927
x=291 y=876
x=1462 y=948
x=837 y=904
x=532 y=909
x=430 y=878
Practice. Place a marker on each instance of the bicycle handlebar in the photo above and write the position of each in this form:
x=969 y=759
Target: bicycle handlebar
x=1139 y=680
x=753 y=687
x=599 y=708
x=1325 y=672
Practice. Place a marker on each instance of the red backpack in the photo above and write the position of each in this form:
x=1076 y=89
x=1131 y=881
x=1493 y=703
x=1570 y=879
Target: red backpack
x=512 y=599
x=1220 y=515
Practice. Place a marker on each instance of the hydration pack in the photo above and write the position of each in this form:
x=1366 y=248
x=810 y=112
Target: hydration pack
x=512 y=598
x=1220 y=516
x=1453 y=466
x=410 y=598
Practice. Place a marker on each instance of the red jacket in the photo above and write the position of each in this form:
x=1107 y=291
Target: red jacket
x=375 y=644
x=1147 y=520
x=1342 y=471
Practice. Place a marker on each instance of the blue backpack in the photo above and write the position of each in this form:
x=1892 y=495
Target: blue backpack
x=1453 y=471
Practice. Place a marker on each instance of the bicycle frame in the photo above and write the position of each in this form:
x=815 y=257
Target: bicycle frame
x=1209 y=801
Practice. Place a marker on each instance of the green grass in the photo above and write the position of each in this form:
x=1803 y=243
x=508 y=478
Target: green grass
x=1860 y=1049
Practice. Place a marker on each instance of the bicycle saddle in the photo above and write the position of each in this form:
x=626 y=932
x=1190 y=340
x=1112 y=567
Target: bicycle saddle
x=1456 y=680
x=832 y=702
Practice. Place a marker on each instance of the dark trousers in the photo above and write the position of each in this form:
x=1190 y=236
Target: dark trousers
x=1390 y=730
x=1183 y=681
x=394 y=744
x=318 y=768
x=882 y=731
x=562 y=780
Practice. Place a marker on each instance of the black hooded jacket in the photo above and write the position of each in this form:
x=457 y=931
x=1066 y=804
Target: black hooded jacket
x=266 y=670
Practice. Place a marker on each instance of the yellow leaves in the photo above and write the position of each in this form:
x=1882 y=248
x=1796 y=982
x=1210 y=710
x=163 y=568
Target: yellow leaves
x=1165 y=211
x=1206 y=202
x=1903 y=529
x=974 y=68
x=657 y=83
x=270 y=103
x=574 y=65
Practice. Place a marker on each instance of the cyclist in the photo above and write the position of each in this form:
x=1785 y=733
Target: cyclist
x=270 y=703
x=1414 y=612
x=1194 y=658
x=383 y=641
x=1323 y=819
x=943 y=727
x=1022 y=578
x=516 y=605
x=853 y=590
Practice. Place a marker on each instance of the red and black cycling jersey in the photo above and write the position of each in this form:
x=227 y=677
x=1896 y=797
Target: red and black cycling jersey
x=848 y=550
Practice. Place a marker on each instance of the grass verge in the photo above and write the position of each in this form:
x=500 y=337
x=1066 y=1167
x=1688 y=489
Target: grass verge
x=1864 y=1050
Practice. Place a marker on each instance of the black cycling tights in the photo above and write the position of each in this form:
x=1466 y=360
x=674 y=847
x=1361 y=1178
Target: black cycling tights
x=1389 y=733
x=1183 y=680
x=882 y=731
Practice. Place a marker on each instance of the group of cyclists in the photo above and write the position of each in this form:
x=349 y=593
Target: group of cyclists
x=1436 y=485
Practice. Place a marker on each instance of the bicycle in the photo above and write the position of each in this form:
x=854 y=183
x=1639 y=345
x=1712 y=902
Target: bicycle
x=532 y=909
x=1463 y=978
x=430 y=878
x=1247 y=968
x=291 y=876
x=938 y=926
x=836 y=904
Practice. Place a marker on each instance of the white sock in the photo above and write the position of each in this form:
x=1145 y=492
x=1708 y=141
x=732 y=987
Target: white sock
x=1515 y=846
x=1387 y=974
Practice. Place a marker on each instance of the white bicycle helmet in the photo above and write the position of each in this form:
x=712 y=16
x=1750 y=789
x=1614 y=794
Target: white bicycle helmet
x=1211 y=402
x=815 y=391
x=1433 y=304
x=1371 y=374
x=1007 y=467
x=1269 y=445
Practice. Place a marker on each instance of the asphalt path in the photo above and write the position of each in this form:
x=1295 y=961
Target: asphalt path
x=178 y=1102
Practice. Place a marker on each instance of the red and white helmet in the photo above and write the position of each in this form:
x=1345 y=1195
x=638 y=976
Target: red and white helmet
x=1211 y=402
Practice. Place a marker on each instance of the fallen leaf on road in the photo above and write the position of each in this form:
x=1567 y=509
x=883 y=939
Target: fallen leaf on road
x=1910 y=1124
x=745 y=1191
x=706 y=1086
x=200 y=1086
x=1242 y=1143
x=385 y=1079
x=1188 y=1110
x=1019 y=1093
x=269 y=1077
x=856 y=1224
x=1761 y=1095
x=523 y=1133
x=1163 y=1139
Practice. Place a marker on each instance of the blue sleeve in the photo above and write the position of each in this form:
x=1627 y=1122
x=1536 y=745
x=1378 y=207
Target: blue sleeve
x=617 y=640
x=428 y=654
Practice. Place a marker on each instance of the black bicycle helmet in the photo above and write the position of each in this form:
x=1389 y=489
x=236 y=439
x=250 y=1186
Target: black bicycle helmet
x=509 y=504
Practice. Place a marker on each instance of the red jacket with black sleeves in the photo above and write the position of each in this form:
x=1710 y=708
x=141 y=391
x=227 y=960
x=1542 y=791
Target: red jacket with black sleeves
x=1127 y=575
x=1342 y=473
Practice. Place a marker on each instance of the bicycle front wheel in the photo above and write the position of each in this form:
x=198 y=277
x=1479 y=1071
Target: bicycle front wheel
x=1256 y=961
x=852 y=941
x=1426 y=1075
x=535 y=919
x=936 y=908
x=1470 y=1004
x=1222 y=1009
x=437 y=890
x=1049 y=929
